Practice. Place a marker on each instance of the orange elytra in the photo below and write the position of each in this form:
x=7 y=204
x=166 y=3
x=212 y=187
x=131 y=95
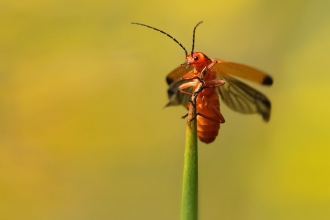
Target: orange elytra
x=210 y=79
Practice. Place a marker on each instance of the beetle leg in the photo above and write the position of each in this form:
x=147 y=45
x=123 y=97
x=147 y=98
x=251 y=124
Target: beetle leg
x=186 y=85
x=217 y=112
x=214 y=83
x=208 y=67
x=222 y=120
x=184 y=116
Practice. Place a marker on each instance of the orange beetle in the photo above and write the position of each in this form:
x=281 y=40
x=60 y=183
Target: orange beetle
x=209 y=78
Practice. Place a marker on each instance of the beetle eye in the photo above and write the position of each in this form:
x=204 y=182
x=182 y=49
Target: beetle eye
x=195 y=58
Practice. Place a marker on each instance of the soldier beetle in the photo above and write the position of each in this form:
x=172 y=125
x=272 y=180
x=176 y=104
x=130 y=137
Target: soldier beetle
x=208 y=79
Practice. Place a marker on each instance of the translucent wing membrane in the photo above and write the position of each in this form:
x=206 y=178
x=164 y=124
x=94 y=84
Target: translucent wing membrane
x=174 y=81
x=242 y=98
x=175 y=96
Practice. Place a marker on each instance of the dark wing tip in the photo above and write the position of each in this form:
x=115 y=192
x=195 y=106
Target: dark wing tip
x=268 y=81
x=266 y=114
x=266 y=117
x=169 y=80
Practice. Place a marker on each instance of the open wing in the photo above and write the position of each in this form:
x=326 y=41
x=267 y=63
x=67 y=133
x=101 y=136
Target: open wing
x=244 y=72
x=239 y=96
x=235 y=94
x=242 y=98
x=173 y=79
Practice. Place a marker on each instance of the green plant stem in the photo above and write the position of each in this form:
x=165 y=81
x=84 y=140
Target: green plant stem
x=189 y=205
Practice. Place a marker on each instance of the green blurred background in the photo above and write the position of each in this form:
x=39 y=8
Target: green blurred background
x=83 y=132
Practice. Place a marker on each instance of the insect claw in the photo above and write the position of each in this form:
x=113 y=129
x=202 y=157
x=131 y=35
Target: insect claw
x=184 y=116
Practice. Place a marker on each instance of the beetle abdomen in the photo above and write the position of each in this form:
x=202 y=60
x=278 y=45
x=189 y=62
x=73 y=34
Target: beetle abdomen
x=208 y=105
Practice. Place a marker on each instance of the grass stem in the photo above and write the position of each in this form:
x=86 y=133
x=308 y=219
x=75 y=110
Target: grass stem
x=189 y=205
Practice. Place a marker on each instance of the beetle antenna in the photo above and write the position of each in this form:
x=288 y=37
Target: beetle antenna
x=193 y=43
x=165 y=34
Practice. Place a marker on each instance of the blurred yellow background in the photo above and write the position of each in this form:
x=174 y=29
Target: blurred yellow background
x=83 y=132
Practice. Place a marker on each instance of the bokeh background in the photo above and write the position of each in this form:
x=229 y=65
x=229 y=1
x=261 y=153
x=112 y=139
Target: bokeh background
x=83 y=131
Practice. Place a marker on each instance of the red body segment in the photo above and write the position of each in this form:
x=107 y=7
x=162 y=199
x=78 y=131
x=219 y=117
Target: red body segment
x=207 y=102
